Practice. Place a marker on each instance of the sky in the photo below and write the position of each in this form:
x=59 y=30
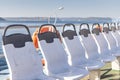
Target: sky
x=72 y=8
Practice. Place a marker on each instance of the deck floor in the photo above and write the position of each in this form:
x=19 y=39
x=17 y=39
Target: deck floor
x=106 y=73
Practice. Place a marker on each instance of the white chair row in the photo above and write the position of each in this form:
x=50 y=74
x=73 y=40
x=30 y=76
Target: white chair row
x=23 y=61
x=85 y=52
x=110 y=39
x=101 y=40
x=95 y=46
x=111 y=35
x=77 y=51
x=115 y=32
x=56 y=58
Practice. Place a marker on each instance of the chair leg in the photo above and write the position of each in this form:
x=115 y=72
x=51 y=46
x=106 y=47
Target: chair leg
x=116 y=64
x=85 y=78
x=94 y=75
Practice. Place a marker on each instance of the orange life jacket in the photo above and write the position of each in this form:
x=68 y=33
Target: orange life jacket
x=35 y=34
x=99 y=28
x=46 y=28
x=35 y=37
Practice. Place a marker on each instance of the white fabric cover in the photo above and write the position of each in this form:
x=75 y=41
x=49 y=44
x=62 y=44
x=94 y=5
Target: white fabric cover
x=106 y=56
x=57 y=61
x=24 y=63
x=116 y=36
x=77 y=53
x=91 y=47
x=112 y=42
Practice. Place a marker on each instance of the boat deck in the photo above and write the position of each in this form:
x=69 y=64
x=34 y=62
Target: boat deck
x=106 y=73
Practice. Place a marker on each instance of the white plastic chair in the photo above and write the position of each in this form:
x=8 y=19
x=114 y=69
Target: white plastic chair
x=102 y=44
x=56 y=58
x=89 y=43
x=91 y=49
x=22 y=59
x=77 y=51
x=116 y=36
x=110 y=39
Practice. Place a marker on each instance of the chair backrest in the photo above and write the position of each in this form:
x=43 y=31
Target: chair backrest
x=102 y=43
x=53 y=52
x=108 y=36
x=116 y=35
x=89 y=42
x=113 y=27
x=73 y=45
x=20 y=54
x=118 y=26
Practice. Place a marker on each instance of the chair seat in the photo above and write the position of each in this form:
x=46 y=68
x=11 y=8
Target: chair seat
x=116 y=52
x=71 y=74
x=92 y=64
x=107 y=57
x=44 y=77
